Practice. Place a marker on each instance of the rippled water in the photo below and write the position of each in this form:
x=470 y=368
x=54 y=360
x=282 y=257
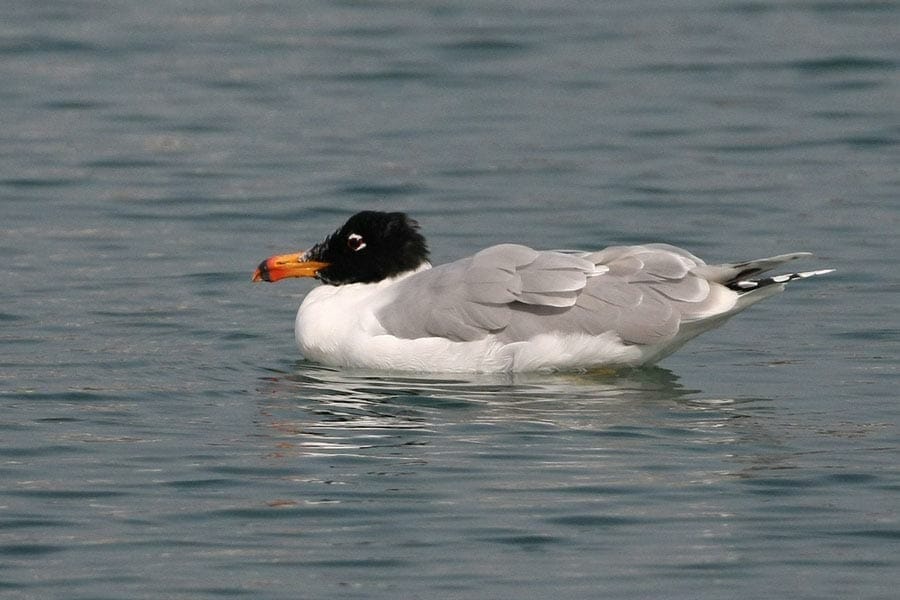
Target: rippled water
x=160 y=436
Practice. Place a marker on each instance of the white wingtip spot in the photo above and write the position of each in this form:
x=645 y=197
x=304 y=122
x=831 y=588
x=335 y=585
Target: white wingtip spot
x=806 y=274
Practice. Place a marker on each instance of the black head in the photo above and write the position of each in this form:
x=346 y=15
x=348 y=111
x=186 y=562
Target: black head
x=369 y=247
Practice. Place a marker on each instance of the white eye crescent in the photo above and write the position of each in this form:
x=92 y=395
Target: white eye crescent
x=355 y=242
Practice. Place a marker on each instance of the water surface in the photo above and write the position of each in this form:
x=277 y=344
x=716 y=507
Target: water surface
x=161 y=436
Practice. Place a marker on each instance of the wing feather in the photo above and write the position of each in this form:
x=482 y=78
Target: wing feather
x=642 y=293
x=689 y=289
x=507 y=257
x=557 y=299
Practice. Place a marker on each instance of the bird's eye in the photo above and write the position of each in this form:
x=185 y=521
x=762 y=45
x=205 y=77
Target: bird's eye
x=355 y=242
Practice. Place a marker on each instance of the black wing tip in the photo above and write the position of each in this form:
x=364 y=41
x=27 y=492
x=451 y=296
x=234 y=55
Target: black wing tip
x=747 y=285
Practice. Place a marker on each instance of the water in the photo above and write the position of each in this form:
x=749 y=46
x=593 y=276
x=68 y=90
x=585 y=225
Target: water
x=161 y=437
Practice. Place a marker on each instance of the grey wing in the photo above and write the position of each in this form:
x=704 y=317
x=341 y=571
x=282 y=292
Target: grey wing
x=650 y=290
x=647 y=293
x=642 y=293
x=473 y=297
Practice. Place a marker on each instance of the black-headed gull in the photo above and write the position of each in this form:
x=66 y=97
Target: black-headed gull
x=508 y=307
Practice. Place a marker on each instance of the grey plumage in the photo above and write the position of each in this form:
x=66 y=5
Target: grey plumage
x=648 y=294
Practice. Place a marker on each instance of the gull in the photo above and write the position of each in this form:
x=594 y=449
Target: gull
x=507 y=308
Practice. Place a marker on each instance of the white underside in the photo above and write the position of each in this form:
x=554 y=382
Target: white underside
x=336 y=326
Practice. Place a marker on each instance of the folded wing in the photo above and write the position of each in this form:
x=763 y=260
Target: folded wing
x=642 y=293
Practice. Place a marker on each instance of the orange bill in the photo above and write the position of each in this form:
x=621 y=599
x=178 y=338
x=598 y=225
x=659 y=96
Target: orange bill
x=282 y=266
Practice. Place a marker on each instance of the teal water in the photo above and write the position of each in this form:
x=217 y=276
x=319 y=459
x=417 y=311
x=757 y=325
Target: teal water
x=160 y=436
